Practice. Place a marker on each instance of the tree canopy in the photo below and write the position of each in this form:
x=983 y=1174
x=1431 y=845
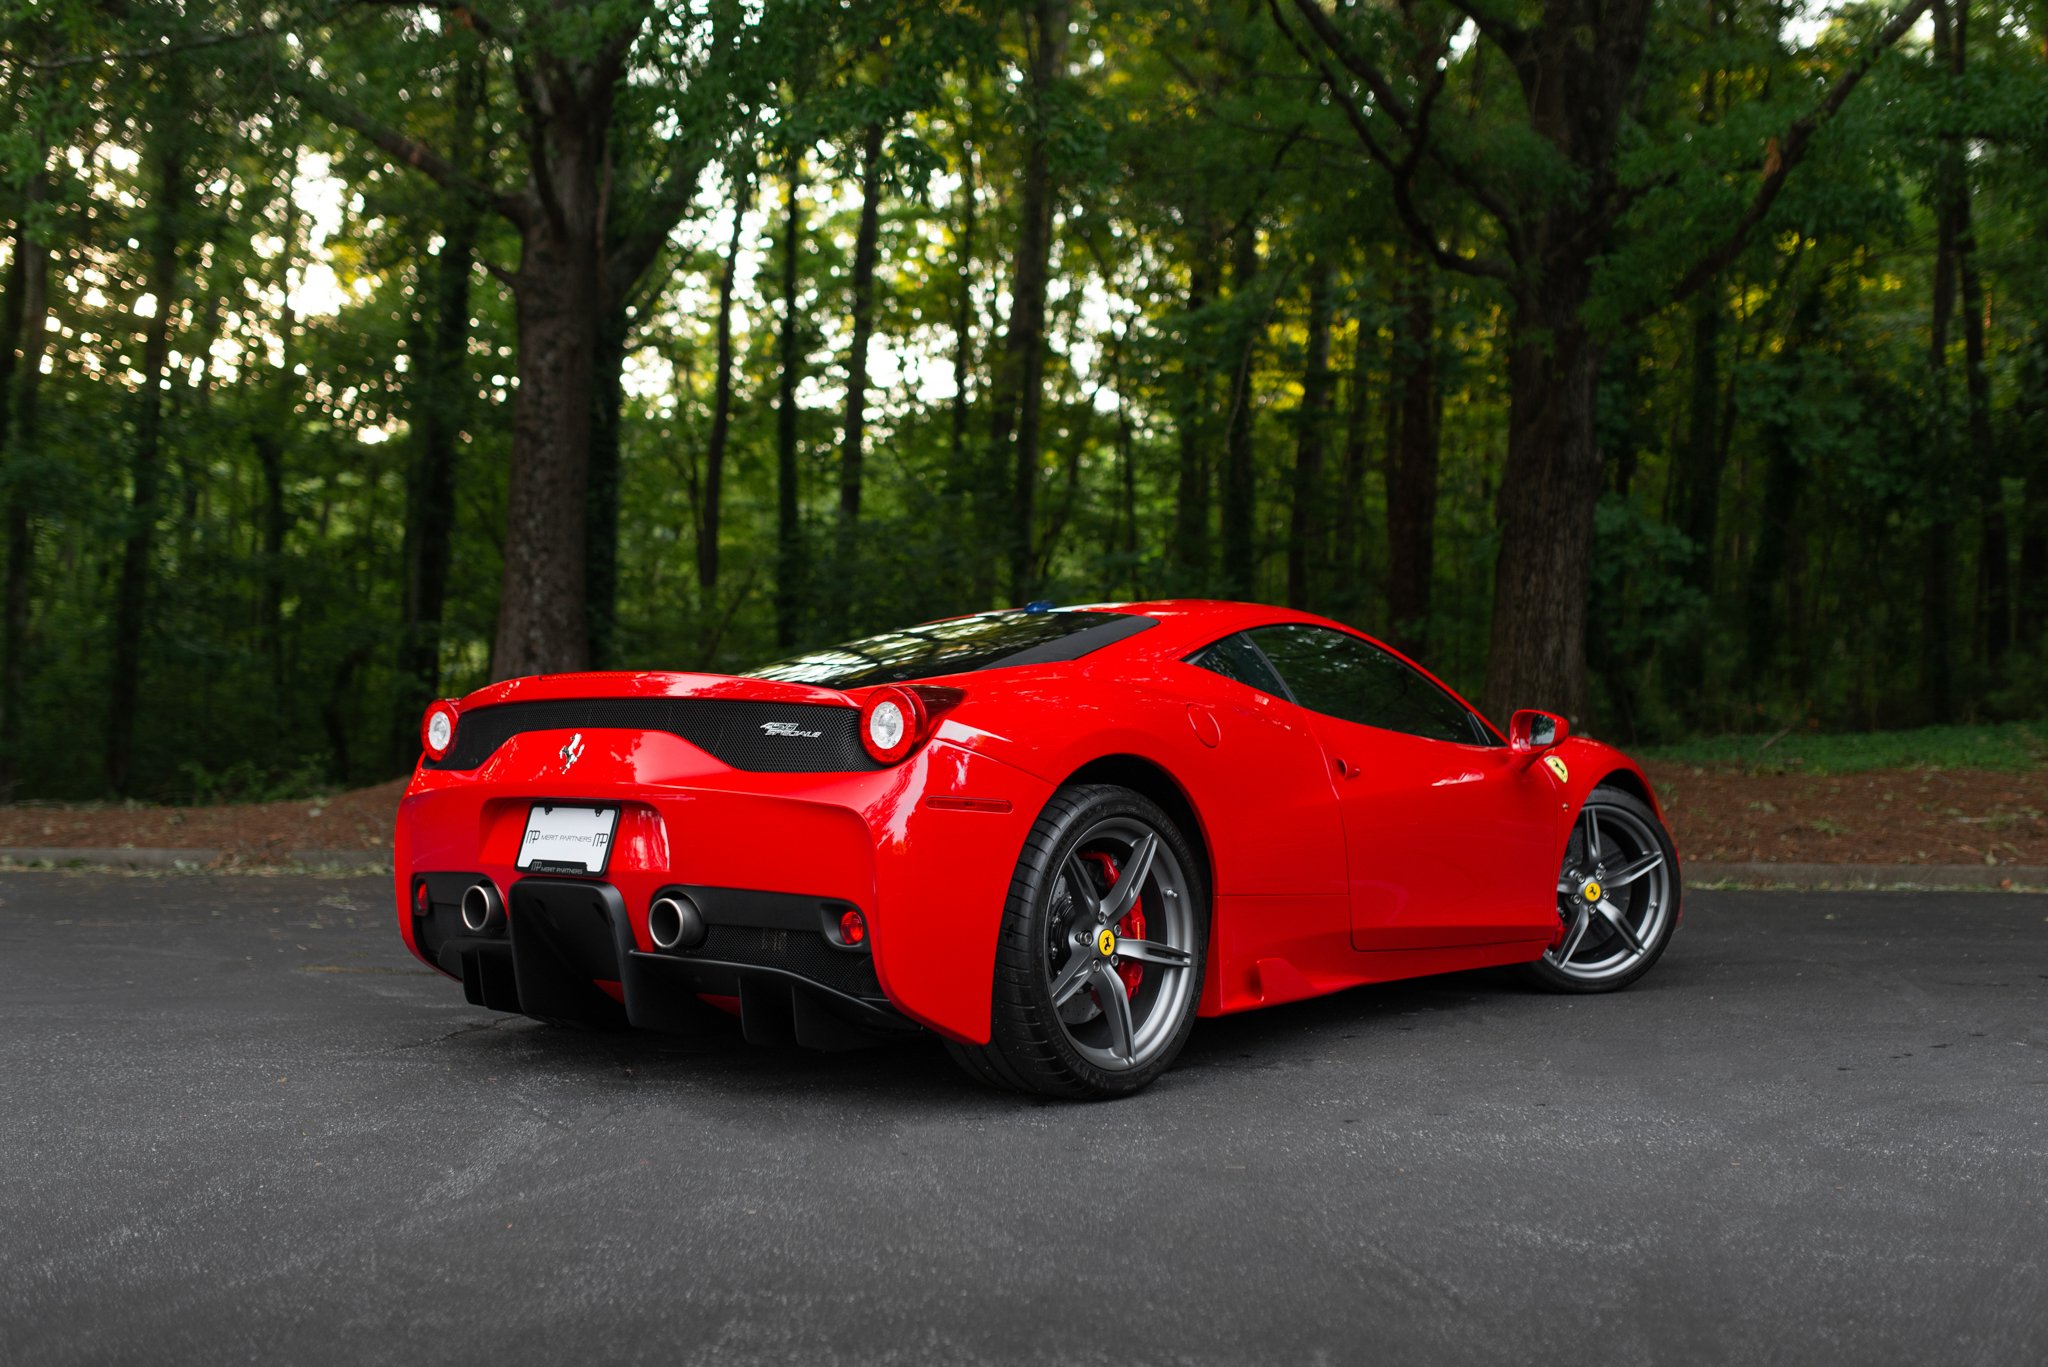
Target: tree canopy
x=1679 y=366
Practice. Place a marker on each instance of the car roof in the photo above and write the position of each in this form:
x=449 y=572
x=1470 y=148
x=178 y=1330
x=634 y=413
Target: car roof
x=1192 y=622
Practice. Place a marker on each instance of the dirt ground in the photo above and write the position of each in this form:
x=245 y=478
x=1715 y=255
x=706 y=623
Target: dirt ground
x=1887 y=816
x=248 y=833
x=1895 y=816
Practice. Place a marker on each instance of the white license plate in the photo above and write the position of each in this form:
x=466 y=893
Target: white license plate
x=564 y=838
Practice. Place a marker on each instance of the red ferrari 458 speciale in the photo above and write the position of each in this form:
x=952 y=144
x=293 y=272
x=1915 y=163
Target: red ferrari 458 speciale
x=1052 y=837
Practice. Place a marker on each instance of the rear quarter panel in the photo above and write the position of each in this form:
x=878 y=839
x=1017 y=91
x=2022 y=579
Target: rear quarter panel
x=1262 y=794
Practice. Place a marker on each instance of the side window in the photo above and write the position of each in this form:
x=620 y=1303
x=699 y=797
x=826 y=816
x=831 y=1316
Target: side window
x=1341 y=676
x=1236 y=658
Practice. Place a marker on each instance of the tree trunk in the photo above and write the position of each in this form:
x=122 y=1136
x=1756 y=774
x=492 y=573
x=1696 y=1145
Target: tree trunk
x=1699 y=493
x=1412 y=464
x=592 y=216
x=1579 y=67
x=131 y=594
x=1549 y=488
x=24 y=336
x=1348 y=550
x=268 y=442
x=2030 y=411
x=1127 y=468
x=1016 y=394
x=270 y=439
x=957 y=474
x=1239 y=491
x=791 y=570
x=543 y=616
x=1305 y=518
x=601 y=496
x=1764 y=628
x=1937 y=587
x=13 y=312
x=2031 y=616
x=441 y=402
x=1699 y=500
x=1764 y=631
x=708 y=515
x=20 y=529
x=867 y=239
x=1994 y=553
x=1698 y=481
x=1190 y=550
x=568 y=298
x=1995 y=548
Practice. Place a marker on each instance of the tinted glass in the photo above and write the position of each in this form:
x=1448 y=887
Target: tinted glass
x=964 y=644
x=1341 y=676
x=1236 y=658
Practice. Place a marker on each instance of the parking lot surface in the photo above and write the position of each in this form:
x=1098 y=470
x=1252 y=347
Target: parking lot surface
x=239 y=1123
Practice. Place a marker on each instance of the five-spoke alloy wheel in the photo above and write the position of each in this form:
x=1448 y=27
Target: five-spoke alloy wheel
x=1099 y=965
x=1617 y=896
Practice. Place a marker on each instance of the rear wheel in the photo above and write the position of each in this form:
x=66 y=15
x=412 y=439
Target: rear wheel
x=1617 y=897
x=1099 y=963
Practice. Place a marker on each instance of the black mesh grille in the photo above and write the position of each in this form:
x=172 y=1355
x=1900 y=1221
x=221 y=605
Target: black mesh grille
x=802 y=952
x=817 y=739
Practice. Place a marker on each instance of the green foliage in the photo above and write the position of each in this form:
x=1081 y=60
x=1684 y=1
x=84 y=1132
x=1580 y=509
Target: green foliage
x=306 y=314
x=2010 y=746
x=247 y=781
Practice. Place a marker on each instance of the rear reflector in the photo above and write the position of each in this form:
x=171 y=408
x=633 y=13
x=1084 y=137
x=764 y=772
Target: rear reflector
x=968 y=804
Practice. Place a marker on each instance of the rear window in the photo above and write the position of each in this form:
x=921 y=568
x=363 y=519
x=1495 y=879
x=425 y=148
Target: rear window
x=960 y=646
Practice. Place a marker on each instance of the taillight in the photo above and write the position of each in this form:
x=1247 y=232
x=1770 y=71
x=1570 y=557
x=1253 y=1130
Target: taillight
x=892 y=722
x=437 y=729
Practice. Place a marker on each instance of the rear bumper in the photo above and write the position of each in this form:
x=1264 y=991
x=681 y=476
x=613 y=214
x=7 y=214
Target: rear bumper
x=771 y=860
x=566 y=951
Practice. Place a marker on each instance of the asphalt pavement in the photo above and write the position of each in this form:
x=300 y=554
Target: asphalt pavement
x=239 y=1123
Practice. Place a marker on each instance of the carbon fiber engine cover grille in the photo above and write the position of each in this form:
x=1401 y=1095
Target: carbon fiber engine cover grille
x=760 y=737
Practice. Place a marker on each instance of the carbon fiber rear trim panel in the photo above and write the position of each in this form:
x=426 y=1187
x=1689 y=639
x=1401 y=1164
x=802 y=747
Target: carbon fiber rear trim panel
x=811 y=738
x=803 y=953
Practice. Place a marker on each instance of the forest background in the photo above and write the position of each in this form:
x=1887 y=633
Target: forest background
x=1678 y=366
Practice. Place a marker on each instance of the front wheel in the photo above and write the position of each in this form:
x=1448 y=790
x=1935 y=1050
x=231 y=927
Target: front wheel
x=1099 y=964
x=1617 y=897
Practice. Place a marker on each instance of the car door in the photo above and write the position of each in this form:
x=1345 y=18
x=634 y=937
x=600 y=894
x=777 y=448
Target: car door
x=1450 y=837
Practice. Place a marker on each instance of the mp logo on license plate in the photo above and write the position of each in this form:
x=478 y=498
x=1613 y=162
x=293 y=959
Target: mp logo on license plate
x=567 y=839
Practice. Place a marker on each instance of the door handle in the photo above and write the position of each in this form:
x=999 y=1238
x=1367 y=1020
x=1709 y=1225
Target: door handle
x=1345 y=769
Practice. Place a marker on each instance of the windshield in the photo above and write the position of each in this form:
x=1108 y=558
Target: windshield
x=959 y=646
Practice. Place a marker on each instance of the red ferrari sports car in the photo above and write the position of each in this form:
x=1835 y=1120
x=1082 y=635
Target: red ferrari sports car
x=1052 y=837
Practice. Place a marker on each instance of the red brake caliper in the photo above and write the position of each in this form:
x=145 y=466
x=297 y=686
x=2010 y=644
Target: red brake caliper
x=1132 y=927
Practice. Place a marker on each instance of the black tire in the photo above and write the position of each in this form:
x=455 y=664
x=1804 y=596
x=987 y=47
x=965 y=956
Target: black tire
x=1628 y=830
x=1031 y=1048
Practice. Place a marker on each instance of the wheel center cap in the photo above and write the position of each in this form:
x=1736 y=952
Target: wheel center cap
x=1105 y=942
x=1591 y=892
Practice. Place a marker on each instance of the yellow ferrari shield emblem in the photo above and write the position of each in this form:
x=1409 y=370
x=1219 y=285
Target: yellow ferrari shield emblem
x=1591 y=891
x=1564 y=775
x=1105 y=943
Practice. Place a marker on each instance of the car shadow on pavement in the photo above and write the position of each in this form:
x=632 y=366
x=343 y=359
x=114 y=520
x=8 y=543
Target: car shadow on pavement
x=919 y=1070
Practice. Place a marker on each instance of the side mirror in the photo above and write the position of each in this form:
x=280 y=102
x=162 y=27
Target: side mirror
x=1530 y=731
